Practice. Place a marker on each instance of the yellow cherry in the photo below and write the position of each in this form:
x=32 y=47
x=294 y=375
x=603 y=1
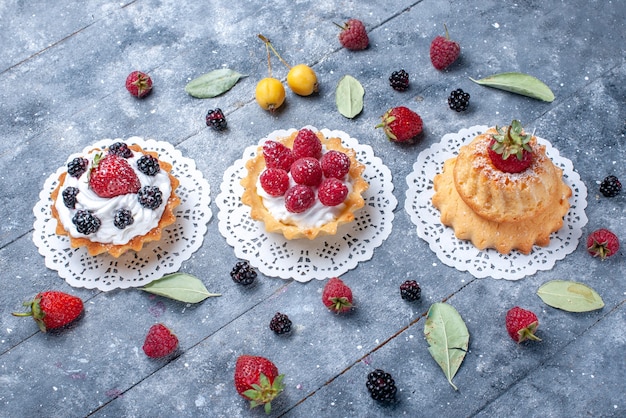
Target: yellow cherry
x=270 y=93
x=302 y=80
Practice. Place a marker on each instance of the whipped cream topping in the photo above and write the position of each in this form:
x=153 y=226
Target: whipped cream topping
x=104 y=209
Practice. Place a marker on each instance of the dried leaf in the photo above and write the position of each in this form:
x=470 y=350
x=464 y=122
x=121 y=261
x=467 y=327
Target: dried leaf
x=179 y=286
x=448 y=338
x=570 y=296
x=519 y=83
x=213 y=84
x=349 y=96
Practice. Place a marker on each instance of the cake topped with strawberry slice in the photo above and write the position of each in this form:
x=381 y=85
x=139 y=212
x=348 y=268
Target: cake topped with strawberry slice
x=114 y=198
x=304 y=185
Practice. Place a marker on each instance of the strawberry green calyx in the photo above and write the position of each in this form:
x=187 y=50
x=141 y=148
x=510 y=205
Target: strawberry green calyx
x=528 y=332
x=35 y=311
x=264 y=392
x=511 y=140
x=340 y=304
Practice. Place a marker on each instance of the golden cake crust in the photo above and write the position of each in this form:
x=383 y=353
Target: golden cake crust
x=259 y=212
x=136 y=243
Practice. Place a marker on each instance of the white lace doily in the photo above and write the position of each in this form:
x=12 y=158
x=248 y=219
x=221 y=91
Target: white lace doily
x=131 y=269
x=304 y=259
x=462 y=254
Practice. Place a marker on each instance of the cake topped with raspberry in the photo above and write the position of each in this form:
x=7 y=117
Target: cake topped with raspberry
x=115 y=198
x=304 y=185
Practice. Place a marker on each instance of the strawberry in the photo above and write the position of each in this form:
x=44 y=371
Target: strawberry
x=444 y=51
x=602 y=243
x=112 y=176
x=160 y=341
x=335 y=164
x=306 y=144
x=299 y=198
x=307 y=171
x=509 y=150
x=401 y=124
x=257 y=380
x=337 y=296
x=353 y=35
x=53 y=309
x=277 y=155
x=332 y=192
x=138 y=84
x=521 y=324
x=275 y=181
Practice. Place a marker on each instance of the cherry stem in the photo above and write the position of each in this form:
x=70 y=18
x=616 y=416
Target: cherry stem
x=269 y=45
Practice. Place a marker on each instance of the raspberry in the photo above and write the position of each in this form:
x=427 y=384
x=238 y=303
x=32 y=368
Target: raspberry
x=458 y=100
x=122 y=218
x=410 y=290
x=399 y=80
x=160 y=341
x=121 y=149
x=307 y=171
x=69 y=197
x=280 y=323
x=602 y=243
x=138 y=84
x=335 y=164
x=275 y=181
x=306 y=144
x=243 y=274
x=148 y=165
x=77 y=167
x=443 y=51
x=150 y=197
x=299 y=198
x=521 y=324
x=332 y=192
x=381 y=386
x=86 y=223
x=277 y=155
x=353 y=35
x=215 y=119
x=610 y=186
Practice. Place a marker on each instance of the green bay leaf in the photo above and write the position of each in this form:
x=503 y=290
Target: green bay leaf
x=519 y=83
x=349 y=96
x=213 y=83
x=447 y=337
x=179 y=286
x=570 y=296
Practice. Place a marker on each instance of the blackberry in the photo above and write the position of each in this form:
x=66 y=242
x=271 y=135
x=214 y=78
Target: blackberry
x=77 y=166
x=150 y=197
x=122 y=218
x=458 y=100
x=243 y=273
x=280 y=323
x=148 y=165
x=410 y=290
x=86 y=223
x=381 y=386
x=121 y=149
x=610 y=186
x=216 y=120
x=69 y=197
x=399 y=80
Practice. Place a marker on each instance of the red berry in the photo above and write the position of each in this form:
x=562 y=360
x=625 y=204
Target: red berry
x=277 y=155
x=401 y=124
x=353 y=35
x=335 y=164
x=138 y=84
x=306 y=144
x=521 y=324
x=602 y=243
x=511 y=164
x=299 y=198
x=160 y=341
x=443 y=51
x=337 y=296
x=257 y=380
x=53 y=309
x=332 y=192
x=112 y=176
x=509 y=148
x=275 y=181
x=307 y=171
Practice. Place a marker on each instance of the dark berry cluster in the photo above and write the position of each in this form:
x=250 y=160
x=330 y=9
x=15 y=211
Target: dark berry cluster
x=399 y=80
x=69 y=197
x=85 y=221
x=77 y=166
x=148 y=165
x=381 y=386
x=121 y=149
x=150 y=197
x=280 y=323
x=610 y=186
x=458 y=100
x=122 y=218
x=243 y=273
x=215 y=119
x=410 y=290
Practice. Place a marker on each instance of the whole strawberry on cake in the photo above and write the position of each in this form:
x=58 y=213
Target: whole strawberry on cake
x=502 y=191
x=304 y=185
x=114 y=198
